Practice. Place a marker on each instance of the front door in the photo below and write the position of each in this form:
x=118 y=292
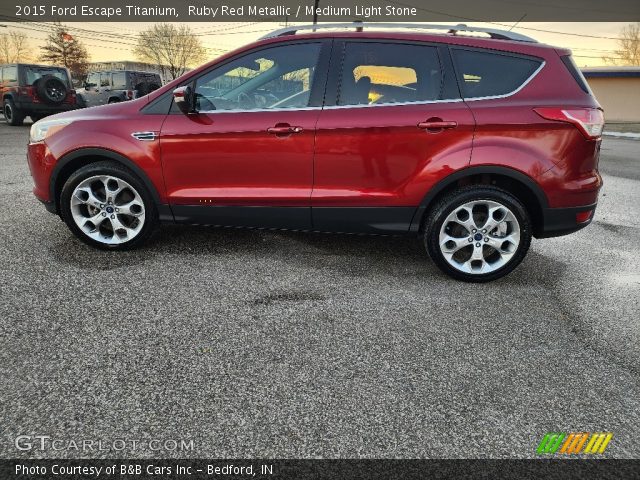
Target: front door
x=246 y=157
x=394 y=125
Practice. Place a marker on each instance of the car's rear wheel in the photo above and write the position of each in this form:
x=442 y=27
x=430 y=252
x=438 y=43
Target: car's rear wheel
x=478 y=233
x=107 y=206
x=12 y=115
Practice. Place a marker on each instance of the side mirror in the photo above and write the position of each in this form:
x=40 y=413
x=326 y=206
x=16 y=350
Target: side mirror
x=184 y=98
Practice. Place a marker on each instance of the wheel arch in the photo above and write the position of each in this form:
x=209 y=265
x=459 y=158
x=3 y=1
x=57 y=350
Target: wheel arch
x=76 y=159
x=515 y=182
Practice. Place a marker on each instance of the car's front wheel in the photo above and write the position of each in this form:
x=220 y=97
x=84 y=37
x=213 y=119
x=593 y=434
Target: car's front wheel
x=478 y=233
x=107 y=206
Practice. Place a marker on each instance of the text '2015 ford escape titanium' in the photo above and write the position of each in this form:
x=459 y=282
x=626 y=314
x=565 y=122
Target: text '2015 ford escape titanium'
x=474 y=144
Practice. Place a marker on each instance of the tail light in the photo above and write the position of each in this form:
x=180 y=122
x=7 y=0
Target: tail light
x=590 y=121
x=71 y=97
x=31 y=93
x=130 y=94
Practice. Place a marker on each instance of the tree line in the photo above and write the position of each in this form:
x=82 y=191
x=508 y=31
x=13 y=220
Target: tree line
x=172 y=49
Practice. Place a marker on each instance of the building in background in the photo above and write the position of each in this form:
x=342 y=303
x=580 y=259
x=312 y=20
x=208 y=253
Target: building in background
x=618 y=91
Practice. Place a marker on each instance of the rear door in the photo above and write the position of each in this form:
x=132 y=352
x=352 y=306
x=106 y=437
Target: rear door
x=394 y=125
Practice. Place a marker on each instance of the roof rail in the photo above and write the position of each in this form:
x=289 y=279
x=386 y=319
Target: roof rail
x=492 y=32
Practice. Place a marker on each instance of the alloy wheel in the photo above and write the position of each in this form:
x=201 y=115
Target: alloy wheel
x=479 y=237
x=107 y=209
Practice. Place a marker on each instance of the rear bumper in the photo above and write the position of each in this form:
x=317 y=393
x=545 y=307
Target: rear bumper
x=563 y=221
x=27 y=107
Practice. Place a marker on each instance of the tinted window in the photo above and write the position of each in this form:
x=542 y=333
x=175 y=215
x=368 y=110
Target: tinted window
x=278 y=77
x=575 y=73
x=485 y=74
x=379 y=73
x=119 y=81
x=34 y=73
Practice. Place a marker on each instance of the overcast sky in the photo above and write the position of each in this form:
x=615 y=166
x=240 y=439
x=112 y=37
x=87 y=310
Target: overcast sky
x=585 y=39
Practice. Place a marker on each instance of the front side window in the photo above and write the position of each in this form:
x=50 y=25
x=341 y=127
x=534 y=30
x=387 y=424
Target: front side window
x=93 y=80
x=487 y=74
x=379 y=73
x=10 y=74
x=278 y=77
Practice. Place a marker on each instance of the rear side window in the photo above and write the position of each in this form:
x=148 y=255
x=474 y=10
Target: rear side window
x=387 y=73
x=488 y=74
x=34 y=73
x=119 y=81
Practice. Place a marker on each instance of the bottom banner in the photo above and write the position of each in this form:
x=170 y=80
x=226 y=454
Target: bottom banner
x=319 y=469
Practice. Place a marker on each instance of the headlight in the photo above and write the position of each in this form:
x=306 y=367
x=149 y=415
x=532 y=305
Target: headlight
x=41 y=129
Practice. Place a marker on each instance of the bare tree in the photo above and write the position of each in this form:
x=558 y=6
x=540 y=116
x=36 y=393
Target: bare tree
x=628 y=52
x=62 y=48
x=171 y=48
x=14 y=47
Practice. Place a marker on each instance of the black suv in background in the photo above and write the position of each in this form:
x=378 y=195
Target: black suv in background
x=113 y=86
x=34 y=91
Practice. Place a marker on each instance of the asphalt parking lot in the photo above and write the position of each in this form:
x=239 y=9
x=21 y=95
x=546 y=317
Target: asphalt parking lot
x=284 y=345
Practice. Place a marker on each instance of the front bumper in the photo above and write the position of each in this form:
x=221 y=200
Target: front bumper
x=563 y=221
x=40 y=163
x=50 y=206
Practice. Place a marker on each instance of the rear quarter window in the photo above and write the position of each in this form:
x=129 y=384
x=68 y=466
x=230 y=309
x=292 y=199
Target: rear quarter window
x=488 y=74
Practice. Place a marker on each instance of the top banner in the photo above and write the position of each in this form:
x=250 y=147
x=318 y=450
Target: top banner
x=321 y=11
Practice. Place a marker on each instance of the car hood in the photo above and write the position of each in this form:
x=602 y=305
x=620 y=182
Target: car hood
x=103 y=111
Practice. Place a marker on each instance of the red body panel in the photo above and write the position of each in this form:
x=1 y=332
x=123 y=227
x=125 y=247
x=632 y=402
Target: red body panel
x=233 y=160
x=377 y=156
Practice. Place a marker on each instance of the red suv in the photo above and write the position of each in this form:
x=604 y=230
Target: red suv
x=474 y=144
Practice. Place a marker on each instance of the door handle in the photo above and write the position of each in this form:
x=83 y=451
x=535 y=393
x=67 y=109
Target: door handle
x=435 y=125
x=284 y=130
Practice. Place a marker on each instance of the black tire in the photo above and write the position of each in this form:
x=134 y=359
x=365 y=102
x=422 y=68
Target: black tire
x=116 y=170
x=437 y=215
x=51 y=90
x=12 y=115
x=114 y=100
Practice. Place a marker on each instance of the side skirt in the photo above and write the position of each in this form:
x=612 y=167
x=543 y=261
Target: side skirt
x=367 y=220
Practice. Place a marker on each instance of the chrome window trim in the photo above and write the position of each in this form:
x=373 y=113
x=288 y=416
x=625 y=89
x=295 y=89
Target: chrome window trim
x=209 y=112
x=394 y=104
x=505 y=95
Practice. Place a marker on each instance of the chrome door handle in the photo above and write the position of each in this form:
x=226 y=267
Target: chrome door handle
x=437 y=125
x=284 y=129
